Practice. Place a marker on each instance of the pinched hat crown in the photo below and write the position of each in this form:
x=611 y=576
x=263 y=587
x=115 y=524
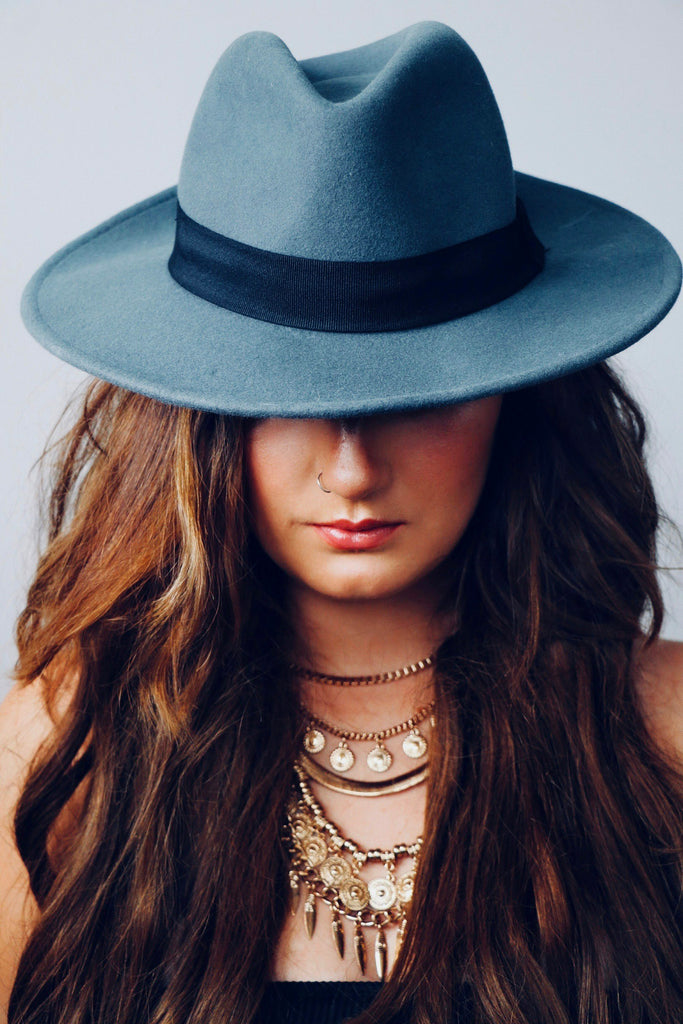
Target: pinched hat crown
x=366 y=190
x=390 y=150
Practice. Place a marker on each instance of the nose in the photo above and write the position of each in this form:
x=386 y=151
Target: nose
x=354 y=467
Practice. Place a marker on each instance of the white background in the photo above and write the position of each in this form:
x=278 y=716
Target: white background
x=97 y=100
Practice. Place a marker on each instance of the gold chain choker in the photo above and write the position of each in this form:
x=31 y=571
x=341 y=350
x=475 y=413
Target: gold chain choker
x=382 y=677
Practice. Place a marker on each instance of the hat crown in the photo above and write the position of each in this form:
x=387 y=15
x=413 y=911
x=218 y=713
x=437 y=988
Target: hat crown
x=385 y=151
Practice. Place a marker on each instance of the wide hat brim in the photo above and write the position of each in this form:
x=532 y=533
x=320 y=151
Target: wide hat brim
x=107 y=304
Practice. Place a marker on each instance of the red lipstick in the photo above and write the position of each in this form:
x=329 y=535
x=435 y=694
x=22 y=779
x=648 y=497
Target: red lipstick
x=359 y=536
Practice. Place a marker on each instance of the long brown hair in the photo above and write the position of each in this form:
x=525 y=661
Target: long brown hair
x=551 y=877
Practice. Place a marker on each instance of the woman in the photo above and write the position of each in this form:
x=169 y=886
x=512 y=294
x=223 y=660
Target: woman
x=347 y=628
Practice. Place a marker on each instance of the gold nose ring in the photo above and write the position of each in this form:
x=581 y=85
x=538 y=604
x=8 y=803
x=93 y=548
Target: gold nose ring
x=321 y=486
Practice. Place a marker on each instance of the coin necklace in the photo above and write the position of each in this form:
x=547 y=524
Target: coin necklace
x=318 y=866
x=379 y=759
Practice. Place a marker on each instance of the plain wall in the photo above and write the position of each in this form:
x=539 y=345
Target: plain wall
x=98 y=98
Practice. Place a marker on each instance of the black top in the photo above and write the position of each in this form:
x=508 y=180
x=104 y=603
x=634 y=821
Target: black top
x=323 y=1002
x=315 y=1002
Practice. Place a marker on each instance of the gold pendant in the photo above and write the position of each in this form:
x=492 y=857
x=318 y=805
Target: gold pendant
x=314 y=740
x=310 y=914
x=414 y=745
x=379 y=759
x=315 y=850
x=381 y=954
x=359 y=947
x=335 y=871
x=404 y=888
x=382 y=893
x=338 y=933
x=355 y=894
x=342 y=758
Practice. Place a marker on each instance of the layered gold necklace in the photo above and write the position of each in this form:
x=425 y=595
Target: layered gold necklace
x=326 y=865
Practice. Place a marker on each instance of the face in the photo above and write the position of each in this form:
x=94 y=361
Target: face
x=416 y=476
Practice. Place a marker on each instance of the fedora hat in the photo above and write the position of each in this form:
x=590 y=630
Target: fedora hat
x=348 y=236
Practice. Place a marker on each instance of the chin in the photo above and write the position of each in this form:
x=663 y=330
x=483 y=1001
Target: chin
x=360 y=587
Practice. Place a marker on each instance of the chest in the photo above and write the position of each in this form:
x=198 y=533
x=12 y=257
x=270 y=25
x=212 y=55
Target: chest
x=371 y=824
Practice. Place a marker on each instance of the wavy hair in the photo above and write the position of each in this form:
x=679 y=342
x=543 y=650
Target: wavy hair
x=550 y=884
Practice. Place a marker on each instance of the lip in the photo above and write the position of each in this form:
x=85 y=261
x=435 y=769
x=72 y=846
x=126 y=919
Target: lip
x=361 y=536
x=362 y=524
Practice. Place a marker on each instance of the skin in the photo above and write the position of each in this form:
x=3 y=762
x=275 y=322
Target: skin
x=425 y=469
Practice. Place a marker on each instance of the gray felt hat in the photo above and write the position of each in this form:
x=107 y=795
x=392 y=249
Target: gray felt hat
x=348 y=236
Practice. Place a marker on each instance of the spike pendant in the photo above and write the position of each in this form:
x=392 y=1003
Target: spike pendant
x=381 y=954
x=338 y=933
x=359 y=947
x=310 y=914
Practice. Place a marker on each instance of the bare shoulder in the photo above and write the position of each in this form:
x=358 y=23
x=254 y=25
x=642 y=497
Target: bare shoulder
x=24 y=725
x=659 y=680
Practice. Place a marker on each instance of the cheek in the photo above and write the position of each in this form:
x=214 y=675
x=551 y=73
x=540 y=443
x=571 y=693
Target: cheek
x=471 y=463
x=265 y=480
x=451 y=474
x=274 y=452
x=452 y=489
x=278 y=469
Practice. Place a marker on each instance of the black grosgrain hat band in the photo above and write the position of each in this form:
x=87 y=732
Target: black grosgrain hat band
x=353 y=295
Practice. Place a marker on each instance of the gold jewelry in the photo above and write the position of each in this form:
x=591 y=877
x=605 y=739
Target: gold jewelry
x=379 y=759
x=316 y=849
x=357 y=787
x=381 y=677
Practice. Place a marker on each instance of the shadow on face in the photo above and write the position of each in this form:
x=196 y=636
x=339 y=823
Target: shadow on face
x=421 y=471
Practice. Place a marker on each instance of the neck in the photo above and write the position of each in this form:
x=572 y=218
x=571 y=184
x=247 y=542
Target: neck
x=366 y=637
